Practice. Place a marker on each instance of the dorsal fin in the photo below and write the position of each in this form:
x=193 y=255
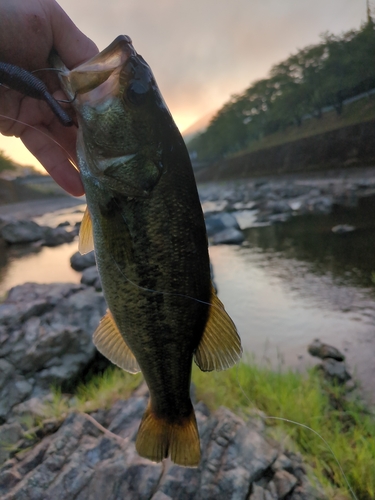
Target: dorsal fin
x=109 y=341
x=86 y=240
x=220 y=346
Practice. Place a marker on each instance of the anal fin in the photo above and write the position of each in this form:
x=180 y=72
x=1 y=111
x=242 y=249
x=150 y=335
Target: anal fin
x=109 y=341
x=220 y=346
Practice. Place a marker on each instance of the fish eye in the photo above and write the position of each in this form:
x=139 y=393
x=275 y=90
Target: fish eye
x=137 y=93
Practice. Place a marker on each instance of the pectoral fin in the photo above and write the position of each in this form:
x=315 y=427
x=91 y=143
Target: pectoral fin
x=86 y=240
x=109 y=341
x=220 y=346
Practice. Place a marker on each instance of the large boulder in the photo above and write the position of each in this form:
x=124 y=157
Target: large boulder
x=220 y=222
x=57 y=236
x=45 y=339
x=323 y=351
x=22 y=231
x=230 y=236
x=80 y=262
x=90 y=277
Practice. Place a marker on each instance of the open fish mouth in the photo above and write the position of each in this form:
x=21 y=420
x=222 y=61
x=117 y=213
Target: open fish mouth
x=97 y=70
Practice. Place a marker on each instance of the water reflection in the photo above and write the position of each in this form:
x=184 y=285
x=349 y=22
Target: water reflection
x=32 y=263
x=290 y=283
x=286 y=285
x=39 y=265
x=310 y=238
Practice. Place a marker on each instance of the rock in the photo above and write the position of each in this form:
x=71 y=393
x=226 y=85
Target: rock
x=245 y=218
x=211 y=207
x=23 y=231
x=220 y=222
x=228 y=236
x=45 y=339
x=282 y=462
x=57 y=236
x=249 y=205
x=90 y=277
x=343 y=229
x=320 y=205
x=34 y=407
x=10 y=434
x=295 y=205
x=276 y=218
x=80 y=262
x=278 y=207
x=26 y=231
x=76 y=460
x=258 y=493
x=335 y=370
x=284 y=482
x=322 y=351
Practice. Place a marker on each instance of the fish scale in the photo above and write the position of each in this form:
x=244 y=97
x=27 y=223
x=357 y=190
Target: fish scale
x=146 y=224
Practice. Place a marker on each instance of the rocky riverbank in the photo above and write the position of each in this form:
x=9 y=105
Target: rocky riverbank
x=235 y=205
x=77 y=461
x=45 y=340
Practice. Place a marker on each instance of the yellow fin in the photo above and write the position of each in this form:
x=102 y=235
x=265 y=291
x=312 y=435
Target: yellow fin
x=109 y=341
x=86 y=240
x=220 y=346
x=159 y=438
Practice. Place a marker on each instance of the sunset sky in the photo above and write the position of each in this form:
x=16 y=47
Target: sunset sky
x=202 y=51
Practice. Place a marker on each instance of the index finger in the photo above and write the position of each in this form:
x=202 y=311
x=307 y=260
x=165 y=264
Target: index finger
x=54 y=158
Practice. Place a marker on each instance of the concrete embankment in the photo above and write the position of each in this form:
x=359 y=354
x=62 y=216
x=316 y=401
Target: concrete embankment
x=344 y=147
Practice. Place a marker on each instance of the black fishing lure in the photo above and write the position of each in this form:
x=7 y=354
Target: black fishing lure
x=25 y=82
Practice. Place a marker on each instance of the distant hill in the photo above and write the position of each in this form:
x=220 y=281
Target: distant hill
x=198 y=127
x=315 y=81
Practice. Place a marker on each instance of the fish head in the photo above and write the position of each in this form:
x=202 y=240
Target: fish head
x=124 y=123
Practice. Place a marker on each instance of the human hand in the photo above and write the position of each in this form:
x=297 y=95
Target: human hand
x=28 y=32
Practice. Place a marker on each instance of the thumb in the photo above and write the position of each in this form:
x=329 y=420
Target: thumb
x=71 y=44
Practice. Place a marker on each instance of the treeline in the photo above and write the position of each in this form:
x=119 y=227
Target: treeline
x=304 y=84
x=5 y=162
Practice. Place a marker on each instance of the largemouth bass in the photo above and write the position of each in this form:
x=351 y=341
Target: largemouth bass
x=145 y=221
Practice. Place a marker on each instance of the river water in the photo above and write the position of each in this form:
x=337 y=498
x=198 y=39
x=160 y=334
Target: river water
x=286 y=285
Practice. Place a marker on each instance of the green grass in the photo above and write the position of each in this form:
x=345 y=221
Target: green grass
x=346 y=425
x=355 y=112
x=99 y=393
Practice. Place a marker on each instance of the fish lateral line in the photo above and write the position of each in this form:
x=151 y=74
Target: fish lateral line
x=150 y=290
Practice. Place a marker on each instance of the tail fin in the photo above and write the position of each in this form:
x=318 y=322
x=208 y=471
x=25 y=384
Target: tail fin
x=158 y=438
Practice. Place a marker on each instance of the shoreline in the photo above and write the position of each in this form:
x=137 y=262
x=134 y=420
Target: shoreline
x=35 y=208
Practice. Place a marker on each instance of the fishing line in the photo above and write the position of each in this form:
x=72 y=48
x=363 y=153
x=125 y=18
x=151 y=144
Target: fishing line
x=304 y=426
x=173 y=294
x=47 y=69
x=149 y=290
x=45 y=134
